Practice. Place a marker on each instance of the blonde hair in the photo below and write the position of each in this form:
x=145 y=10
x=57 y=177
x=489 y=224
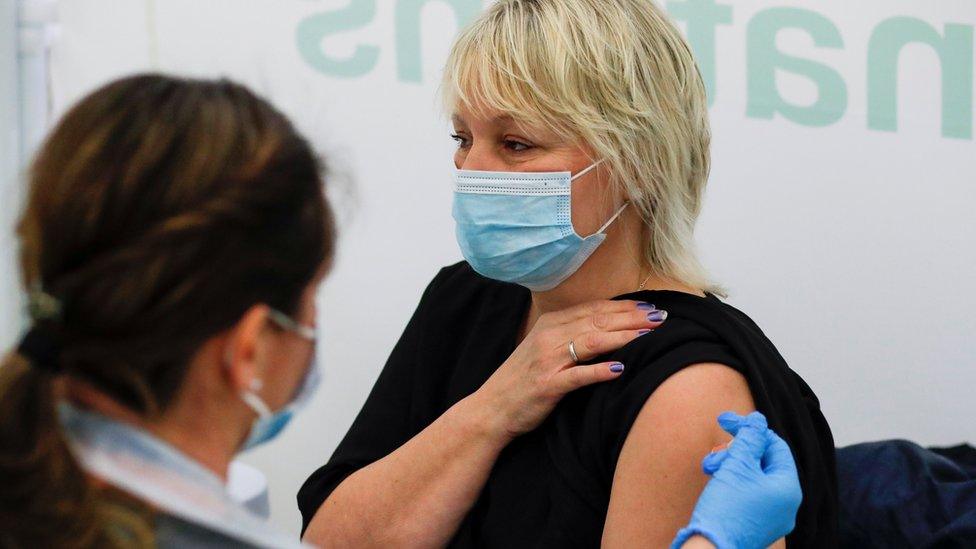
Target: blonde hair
x=616 y=75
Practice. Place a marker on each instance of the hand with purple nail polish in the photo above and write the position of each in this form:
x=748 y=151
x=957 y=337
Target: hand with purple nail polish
x=553 y=359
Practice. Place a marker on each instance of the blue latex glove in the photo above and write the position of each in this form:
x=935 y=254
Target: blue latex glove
x=754 y=494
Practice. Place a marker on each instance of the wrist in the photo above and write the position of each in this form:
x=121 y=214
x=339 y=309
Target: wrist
x=696 y=536
x=485 y=419
x=698 y=542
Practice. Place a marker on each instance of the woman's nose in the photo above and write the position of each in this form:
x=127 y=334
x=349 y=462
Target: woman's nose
x=481 y=158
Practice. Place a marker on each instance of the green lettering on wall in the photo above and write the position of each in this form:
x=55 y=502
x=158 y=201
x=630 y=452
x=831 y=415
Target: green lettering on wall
x=702 y=17
x=315 y=28
x=955 y=51
x=408 y=35
x=764 y=59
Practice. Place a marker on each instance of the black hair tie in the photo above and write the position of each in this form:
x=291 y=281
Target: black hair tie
x=42 y=349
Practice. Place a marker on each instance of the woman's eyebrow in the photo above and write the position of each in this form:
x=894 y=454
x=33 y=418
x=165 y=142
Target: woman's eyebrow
x=500 y=119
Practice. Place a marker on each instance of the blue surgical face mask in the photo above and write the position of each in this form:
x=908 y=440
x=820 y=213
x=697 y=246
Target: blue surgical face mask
x=269 y=424
x=517 y=227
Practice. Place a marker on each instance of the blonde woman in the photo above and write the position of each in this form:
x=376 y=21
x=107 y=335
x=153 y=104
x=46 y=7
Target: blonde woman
x=583 y=154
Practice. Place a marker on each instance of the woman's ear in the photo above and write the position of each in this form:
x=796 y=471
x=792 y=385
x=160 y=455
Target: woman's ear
x=244 y=351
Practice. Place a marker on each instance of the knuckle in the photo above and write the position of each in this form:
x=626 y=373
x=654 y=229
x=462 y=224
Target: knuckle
x=579 y=374
x=600 y=321
x=797 y=498
x=559 y=387
x=591 y=341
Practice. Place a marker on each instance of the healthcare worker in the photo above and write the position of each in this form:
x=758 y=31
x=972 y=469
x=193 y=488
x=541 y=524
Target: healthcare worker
x=173 y=240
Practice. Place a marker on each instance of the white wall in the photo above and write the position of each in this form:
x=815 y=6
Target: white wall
x=9 y=172
x=27 y=28
x=855 y=248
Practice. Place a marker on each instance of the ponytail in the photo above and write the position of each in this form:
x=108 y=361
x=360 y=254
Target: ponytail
x=46 y=500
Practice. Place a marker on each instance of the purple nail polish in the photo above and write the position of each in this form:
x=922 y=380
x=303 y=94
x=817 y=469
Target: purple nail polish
x=643 y=332
x=616 y=367
x=646 y=306
x=657 y=316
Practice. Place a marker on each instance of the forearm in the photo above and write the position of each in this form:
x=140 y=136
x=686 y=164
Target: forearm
x=699 y=542
x=418 y=495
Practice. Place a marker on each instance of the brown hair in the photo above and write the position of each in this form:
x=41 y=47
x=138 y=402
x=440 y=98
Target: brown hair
x=160 y=210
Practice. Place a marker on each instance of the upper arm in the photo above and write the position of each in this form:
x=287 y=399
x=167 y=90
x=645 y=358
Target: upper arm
x=658 y=476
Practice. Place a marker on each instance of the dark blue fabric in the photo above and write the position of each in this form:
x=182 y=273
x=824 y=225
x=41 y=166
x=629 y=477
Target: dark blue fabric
x=897 y=494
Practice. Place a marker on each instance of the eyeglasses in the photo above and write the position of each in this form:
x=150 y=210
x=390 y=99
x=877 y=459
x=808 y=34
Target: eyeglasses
x=287 y=323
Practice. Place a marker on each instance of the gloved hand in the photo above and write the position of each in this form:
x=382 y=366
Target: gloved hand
x=754 y=494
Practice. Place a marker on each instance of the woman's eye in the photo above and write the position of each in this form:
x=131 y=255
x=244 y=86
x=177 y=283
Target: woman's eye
x=461 y=141
x=516 y=146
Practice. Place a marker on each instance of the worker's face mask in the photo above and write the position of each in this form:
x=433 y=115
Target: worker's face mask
x=269 y=424
x=516 y=227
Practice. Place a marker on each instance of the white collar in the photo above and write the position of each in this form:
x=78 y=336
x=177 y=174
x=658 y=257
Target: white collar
x=140 y=464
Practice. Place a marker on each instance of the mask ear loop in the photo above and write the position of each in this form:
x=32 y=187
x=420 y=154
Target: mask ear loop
x=619 y=211
x=616 y=214
x=255 y=403
x=250 y=396
x=587 y=170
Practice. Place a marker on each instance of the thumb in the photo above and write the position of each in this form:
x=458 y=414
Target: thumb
x=713 y=461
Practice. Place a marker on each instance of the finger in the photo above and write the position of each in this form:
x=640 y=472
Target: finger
x=778 y=459
x=731 y=422
x=750 y=444
x=594 y=344
x=581 y=376
x=636 y=319
x=713 y=461
x=587 y=334
x=591 y=308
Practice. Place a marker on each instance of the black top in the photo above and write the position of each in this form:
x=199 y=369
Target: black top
x=551 y=487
